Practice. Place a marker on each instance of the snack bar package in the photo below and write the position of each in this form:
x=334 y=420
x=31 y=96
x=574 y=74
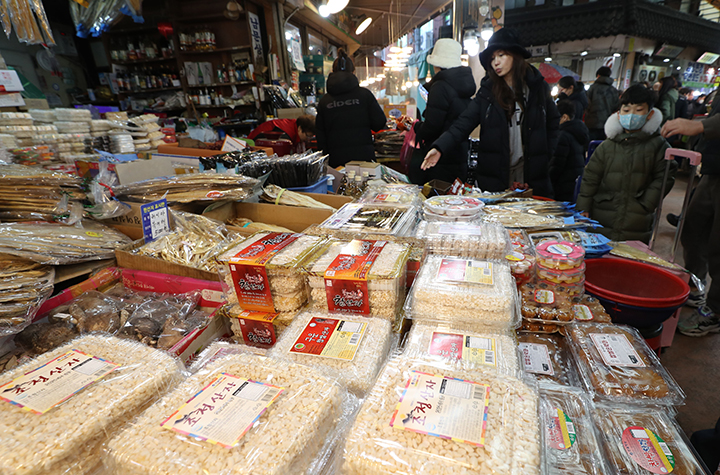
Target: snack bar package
x=267 y=261
x=496 y=353
x=362 y=277
x=425 y=417
x=239 y=414
x=352 y=347
x=570 y=444
x=59 y=408
x=472 y=295
x=642 y=441
x=546 y=357
x=471 y=240
x=373 y=218
x=615 y=364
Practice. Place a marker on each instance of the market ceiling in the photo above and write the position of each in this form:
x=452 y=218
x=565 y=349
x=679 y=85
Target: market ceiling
x=391 y=18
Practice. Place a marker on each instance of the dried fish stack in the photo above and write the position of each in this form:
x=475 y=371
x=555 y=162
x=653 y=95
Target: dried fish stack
x=190 y=187
x=24 y=286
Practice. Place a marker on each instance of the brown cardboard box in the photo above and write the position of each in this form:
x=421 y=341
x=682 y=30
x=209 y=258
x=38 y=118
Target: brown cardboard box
x=126 y=259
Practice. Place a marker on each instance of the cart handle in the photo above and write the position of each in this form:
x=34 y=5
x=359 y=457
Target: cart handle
x=694 y=157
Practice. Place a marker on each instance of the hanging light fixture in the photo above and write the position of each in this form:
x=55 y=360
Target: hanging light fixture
x=470 y=42
x=487 y=30
x=324 y=11
x=363 y=26
x=484 y=8
x=336 y=6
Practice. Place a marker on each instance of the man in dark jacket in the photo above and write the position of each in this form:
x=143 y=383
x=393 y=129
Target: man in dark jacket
x=603 y=100
x=346 y=116
x=569 y=159
x=449 y=94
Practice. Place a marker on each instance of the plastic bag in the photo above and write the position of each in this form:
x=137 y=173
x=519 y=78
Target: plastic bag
x=24 y=287
x=547 y=358
x=105 y=206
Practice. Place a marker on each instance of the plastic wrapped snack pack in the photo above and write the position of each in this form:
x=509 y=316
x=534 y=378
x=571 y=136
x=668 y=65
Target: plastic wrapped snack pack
x=390 y=194
x=257 y=329
x=616 y=364
x=282 y=254
x=66 y=439
x=642 y=441
x=283 y=439
x=382 y=219
x=495 y=353
x=385 y=278
x=570 y=443
x=472 y=240
x=546 y=357
x=410 y=392
x=473 y=295
x=351 y=347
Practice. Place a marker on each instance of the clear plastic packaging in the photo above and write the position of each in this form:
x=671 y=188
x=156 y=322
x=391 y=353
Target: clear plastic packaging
x=15 y=118
x=19 y=131
x=571 y=446
x=68 y=437
x=378 y=219
x=72 y=114
x=190 y=187
x=70 y=127
x=641 y=441
x=475 y=241
x=353 y=349
x=287 y=283
x=547 y=358
x=518 y=218
x=615 y=364
x=561 y=255
x=496 y=353
x=284 y=438
x=574 y=276
x=389 y=194
x=539 y=327
x=547 y=303
x=521 y=256
x=24 y=286
x=587 y=308
x=220 y=349
x=385 y=279
x=256 y=329
x=42 y=115
x=454 y=206
x=472 y=295
x=508 y=442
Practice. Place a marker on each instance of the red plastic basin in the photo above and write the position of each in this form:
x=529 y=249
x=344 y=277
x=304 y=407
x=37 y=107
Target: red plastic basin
x=634 y=283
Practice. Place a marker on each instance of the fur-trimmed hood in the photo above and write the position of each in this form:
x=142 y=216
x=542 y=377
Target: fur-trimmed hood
x=613 y=128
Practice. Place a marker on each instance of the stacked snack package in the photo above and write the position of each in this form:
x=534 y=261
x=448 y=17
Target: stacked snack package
x=24 y=286
x=61 y=407
x=561 y=263
x=42 y=115
x=473 y=295
x=360 y=277
x=451 y=208
x=380 y=219
x=239 y=414
x=471 y=240
x=547 y=358
x=99 y=128
x=429 y=417
x=521 y=256
x=73 y=121
x=351 y=347
x=19 y=125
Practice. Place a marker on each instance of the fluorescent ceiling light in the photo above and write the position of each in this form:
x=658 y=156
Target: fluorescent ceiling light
x=666 y=60
x=548 y=59
x=584 y=53
x=616 y=55
x=363 y=26
x=395 y=49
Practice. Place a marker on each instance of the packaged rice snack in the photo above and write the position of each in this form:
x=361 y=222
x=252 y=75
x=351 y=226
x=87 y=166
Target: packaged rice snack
x=644 y=441
x=571 y=446
x=375 y=218
x=489 y=423
x=391 y=194
x=351 y=347
x=473 y=295
x=239 y=414
x=362 y=277
x=59 y=408
x=496 y=353
x=257 y=329
x=615 y=364
x=220 y=349
x=262 y=273
x=547 y=358
x=471 y=240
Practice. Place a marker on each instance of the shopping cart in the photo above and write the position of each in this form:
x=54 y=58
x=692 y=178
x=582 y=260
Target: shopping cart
x=694 y=159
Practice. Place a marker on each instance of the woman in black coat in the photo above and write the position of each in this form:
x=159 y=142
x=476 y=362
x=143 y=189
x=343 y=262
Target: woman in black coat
x=449 y=94
x=518 y=121
x=347 y=115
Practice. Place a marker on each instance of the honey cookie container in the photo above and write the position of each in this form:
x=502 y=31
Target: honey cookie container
x=560 y=255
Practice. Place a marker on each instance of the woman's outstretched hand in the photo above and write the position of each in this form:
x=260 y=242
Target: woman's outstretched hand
x=431 y=159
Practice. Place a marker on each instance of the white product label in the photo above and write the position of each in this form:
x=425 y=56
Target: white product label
x=536 y=358
x=616 y=350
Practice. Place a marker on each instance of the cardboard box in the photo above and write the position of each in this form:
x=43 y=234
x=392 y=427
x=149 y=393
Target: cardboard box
x=125 y=258
x=373 y=169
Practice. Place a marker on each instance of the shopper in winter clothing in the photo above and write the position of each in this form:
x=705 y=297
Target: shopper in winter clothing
x=697 y=106
x=668 y=95
x=603 y=100
x=449 y=94
x=568 y=161
x=682 y=106
x=347 y=115
x=569 y=89
x=518 y=121
x=701 y=233
x=297 y=130
x=622 y=182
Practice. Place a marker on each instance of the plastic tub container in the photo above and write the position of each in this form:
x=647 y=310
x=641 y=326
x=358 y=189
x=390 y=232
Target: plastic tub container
x=455 y=206
x=560 y=254
x=562 y=277
x=318 y=187
x=477 y=241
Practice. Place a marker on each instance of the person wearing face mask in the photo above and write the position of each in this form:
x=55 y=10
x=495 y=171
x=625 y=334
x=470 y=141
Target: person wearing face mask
x=518 y=121
x=622 y=181
x=568 y=89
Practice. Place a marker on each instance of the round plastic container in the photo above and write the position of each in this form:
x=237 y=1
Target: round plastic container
x=452 y=205
x=562 y=277
x=560 y=254
x=522 y=265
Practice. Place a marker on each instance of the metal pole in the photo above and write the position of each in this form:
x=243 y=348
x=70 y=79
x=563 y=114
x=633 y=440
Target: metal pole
x=457 y=20
x=658 y=213
x=686 y=201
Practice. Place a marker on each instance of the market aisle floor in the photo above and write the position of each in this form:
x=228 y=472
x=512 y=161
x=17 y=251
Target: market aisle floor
x=694 y=362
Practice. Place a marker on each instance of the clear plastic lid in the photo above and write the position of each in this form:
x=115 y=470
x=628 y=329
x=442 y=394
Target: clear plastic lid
x=546 y=357
x=587 y=308
x=575 y=275
x=451 y=205
x=571 y=446
x=472 y=294
x=287 y=411
x=289 y=256
x=476 y=240
x=642 y=441
x=390 y=264
x=490 y=423
x=547 y=302
x=560 y=254
x=615 y=364
x=392 y=194
x=351 y=347
x=372 y=218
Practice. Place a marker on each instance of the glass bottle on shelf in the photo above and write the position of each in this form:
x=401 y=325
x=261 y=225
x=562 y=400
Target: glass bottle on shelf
x=131 y=53
x=231 y=72
x=358 y=188
x=343 y=185
x=224 y=74
x=201 y=80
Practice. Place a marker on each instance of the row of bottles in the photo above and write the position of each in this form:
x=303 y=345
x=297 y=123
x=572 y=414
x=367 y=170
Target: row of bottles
x=236 y=72
x=139 y=48
x=353 y=185
x=134 y=81
x=200 y=39
x=207 y=98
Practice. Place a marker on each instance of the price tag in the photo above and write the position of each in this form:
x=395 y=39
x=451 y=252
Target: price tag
x=155 y=219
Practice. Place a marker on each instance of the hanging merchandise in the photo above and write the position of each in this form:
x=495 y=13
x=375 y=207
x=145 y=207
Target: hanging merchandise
x=29 y=19
x=93 y=17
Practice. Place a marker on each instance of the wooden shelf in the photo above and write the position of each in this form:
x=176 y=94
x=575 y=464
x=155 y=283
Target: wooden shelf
x=202 y=18
x=219 y=84
x=130 y=31
x=142 y=91
x=144 y=61
x=216 y=50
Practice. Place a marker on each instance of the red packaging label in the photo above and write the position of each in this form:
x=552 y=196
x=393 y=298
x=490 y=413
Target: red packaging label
x=330 y=338
x=648 y=450
x=346 y=278
x=248 y=271
x=447 y=345
x=258 y=328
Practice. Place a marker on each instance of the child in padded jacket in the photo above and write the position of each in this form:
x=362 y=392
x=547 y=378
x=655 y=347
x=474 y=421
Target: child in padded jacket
x=622 y=182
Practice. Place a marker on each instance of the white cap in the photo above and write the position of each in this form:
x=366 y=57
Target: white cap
x=445 y=54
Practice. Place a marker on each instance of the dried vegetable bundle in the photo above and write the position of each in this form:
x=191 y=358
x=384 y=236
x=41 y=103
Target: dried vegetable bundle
x=29 y=19
x=24 y=286
x=282 y=196
x=190 y=187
